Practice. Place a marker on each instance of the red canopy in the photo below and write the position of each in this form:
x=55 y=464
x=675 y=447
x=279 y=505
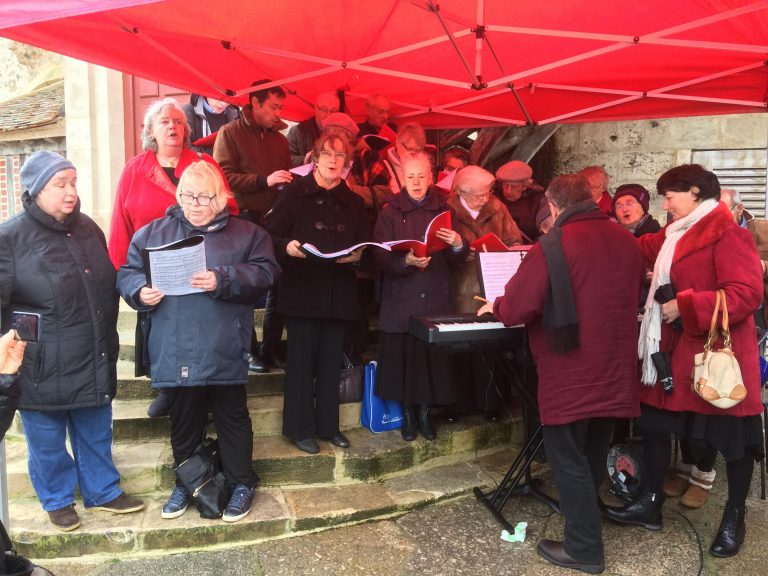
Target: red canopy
x=448 y=64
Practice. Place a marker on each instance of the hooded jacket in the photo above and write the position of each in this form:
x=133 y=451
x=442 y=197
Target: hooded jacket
x=61 y=270
x=204 y=338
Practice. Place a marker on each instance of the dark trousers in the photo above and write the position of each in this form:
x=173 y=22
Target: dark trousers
x=311 y=405
x=701 y=453
x=577 y=453
x=189 y=415
x=272 y=329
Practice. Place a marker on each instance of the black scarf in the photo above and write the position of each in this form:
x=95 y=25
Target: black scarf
x=561 y=319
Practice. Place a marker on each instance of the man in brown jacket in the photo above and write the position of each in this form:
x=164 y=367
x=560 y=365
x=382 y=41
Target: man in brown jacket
x=253 y=154
x=255 y=158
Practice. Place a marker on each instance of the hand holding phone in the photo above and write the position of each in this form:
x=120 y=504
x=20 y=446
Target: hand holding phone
x=26 y=325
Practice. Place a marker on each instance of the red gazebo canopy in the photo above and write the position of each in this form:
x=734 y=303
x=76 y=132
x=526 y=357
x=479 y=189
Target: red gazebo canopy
x=451 y=63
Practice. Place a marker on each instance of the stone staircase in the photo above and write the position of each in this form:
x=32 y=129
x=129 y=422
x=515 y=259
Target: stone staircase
x=377 y=477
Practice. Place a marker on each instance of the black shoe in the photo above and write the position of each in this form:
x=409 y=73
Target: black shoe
x=339 y=440
x=408 y=429
x=272 y=361
x=553 y=552
x=308 y=445
x=452 y=416
x=644 y=511
x=491 y=415
x=730 y=535
x=425 y=423
x=161 y=406
x=256 y=366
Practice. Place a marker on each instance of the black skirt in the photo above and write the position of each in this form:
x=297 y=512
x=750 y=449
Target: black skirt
x=732 y=436
x=413 y=373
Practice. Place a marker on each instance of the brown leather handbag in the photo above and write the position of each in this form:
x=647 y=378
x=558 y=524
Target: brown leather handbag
x=716 y=372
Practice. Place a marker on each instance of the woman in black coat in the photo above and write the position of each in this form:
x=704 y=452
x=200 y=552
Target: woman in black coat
x=409 y=372
x=54 y=262
x=317 y=297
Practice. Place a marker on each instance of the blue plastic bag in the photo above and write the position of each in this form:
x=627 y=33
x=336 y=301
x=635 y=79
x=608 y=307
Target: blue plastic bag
x=376 y=414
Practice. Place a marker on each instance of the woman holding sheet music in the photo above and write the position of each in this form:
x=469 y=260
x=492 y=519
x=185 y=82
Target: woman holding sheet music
x=317 y=297
x=200 y=342
x=478 y=212
x=410 y=372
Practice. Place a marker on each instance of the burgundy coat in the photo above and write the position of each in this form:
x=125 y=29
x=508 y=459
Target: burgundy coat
x=600 y=378
x=714 y=253
x=406 y=291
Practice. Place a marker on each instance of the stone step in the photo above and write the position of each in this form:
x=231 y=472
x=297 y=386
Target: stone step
x=278 y=512
x=131 y=423
x=130 y=387
x=147 y=466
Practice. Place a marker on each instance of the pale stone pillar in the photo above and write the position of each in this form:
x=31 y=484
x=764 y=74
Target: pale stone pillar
x=93 y=101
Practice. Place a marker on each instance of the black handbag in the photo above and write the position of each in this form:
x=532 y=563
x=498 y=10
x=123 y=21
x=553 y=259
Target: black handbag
x=12 y=564
x=203 y=477
x=141 y=344
x=351 y=382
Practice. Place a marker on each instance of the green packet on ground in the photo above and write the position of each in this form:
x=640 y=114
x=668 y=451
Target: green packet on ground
x=518 y=536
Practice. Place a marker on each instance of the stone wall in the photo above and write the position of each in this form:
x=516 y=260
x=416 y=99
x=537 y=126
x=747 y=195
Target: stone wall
x=640 y=151
x=21 y=65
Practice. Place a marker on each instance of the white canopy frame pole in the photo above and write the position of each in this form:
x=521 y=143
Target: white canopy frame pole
x=479 y=37
x=147 y=39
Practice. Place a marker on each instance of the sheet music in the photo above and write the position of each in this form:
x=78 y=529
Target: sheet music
x=171 y=270
x=496 y=269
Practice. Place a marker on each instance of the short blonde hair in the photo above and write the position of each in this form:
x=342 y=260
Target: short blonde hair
x=205 y=176
x=412 y=130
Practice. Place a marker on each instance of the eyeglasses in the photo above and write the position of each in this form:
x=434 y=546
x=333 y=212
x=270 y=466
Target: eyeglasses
x=328 y=154
x=326 y=110
x=201 y=200
x=629 y=203
x=514 y=183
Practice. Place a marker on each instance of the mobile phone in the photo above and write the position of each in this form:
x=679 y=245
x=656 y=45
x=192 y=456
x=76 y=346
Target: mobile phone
x=26 y=325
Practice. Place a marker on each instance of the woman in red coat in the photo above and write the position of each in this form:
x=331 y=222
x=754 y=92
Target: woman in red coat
x=701 y=251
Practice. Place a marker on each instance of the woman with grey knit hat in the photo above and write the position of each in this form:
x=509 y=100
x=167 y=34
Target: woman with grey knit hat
x=54 y=263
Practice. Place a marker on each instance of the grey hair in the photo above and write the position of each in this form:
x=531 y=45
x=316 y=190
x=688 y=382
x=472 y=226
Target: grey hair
x=734 y=194
x=157 y=107
x=412 y=130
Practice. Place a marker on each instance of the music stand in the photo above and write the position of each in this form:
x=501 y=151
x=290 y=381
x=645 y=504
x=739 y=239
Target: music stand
x=518 y=479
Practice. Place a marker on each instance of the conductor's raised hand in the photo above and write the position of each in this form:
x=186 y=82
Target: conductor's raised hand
x=413 y=260
x=352 y=257
x=293 y=248
x=150 y=296
x=205 y=281
x=450 y=237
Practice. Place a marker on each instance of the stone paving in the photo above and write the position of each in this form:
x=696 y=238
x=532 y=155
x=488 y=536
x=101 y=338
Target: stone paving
x=460 y=537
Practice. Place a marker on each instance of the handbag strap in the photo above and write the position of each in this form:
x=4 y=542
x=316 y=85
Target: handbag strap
x=712 y=336
x=725 y=329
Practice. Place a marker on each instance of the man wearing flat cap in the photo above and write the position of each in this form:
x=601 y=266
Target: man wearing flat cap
x=521 y=196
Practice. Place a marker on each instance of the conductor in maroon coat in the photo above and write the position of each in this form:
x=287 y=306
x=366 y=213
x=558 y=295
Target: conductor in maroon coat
x=576 y=291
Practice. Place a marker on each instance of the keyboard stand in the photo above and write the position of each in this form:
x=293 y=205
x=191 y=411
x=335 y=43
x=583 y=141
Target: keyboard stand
x=518 y=478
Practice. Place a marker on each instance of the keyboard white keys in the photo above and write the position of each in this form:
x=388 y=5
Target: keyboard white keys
x=469 y=326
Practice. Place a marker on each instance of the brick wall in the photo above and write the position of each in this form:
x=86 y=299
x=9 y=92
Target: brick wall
x=10 y=185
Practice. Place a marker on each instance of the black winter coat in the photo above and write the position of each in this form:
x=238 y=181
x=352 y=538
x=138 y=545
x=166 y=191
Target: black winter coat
x=204 y=338
x=406 y=291
x=332 y=220
x=61 y=270
x=9 y=400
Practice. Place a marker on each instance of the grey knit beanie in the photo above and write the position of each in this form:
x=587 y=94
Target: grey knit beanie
x=40 y=168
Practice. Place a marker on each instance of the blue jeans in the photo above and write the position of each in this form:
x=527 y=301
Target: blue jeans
x=51 y=468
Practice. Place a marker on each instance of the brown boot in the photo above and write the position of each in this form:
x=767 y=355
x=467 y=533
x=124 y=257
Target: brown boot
x=698 y=489
x=677 y=482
